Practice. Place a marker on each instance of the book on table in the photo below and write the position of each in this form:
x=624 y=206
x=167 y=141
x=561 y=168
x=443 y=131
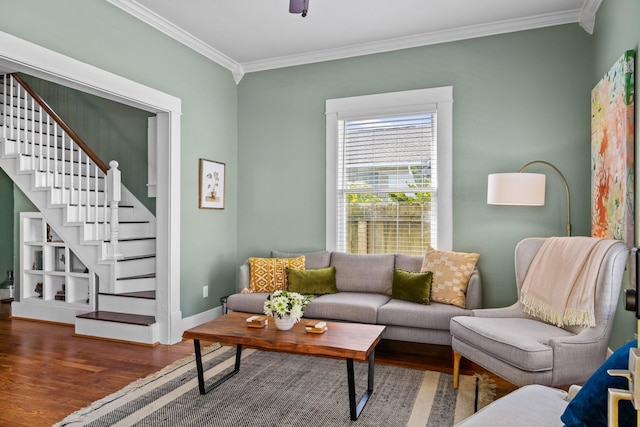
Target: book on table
x=316 y=327
x=257 y=321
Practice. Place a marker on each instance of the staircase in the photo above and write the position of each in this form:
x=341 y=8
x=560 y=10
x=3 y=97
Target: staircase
x=82 y=199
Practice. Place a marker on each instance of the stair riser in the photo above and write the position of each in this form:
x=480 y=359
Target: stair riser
x=16 y=146
x=31 y=139
x=129 y=305
x=132 y=248
x=135 y=267
x=21 y=111
x=118 y=331
x=53 y=179
x=20 y=97
x=29 y=163
x=24 y=117
x=91 y=232
x=79 y=214
x=135 y=285
x=59 y=196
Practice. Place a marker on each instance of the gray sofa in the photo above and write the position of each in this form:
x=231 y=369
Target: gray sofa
x=364 y=283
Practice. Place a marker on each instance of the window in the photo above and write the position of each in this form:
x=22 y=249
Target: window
x=389 y=172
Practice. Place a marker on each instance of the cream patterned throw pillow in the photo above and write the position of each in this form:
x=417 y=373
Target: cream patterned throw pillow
x=451 y=273
x=268 y=274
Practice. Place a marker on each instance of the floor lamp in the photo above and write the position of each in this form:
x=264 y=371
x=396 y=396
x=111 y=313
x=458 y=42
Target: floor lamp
x=524 y=189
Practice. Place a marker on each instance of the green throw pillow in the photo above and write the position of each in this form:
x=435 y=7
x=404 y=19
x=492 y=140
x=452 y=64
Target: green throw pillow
x=415 y=287
x=312 y=282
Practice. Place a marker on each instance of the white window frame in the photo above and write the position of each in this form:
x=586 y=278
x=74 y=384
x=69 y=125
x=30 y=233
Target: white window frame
x=394 y=103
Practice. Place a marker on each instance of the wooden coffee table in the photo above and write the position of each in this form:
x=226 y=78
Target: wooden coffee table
x=350 y=341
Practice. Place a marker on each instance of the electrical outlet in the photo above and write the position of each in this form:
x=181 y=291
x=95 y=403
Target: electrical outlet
x=205 y=291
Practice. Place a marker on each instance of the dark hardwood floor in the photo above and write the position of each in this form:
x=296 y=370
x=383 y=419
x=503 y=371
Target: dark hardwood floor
x=46 y=373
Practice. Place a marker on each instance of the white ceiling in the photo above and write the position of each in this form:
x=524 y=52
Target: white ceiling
x=253 y=35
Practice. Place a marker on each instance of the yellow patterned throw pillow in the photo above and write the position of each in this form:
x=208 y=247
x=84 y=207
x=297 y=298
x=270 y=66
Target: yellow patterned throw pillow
x=268 y=274
x=451 y=273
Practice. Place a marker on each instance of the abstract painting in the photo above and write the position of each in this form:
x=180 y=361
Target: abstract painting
x=612 y=153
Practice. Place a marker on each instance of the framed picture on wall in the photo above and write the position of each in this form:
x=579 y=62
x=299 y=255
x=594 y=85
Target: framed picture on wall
x=211 y=184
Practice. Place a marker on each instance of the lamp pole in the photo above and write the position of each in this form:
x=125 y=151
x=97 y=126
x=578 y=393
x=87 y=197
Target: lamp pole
x=566 y=187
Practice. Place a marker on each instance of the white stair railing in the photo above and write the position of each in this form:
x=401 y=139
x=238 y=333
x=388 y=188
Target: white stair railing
x=61 y=161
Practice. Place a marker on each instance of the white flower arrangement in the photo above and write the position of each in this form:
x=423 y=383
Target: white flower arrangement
x=285 y=303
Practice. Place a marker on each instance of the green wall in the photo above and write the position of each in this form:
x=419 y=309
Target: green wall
x=517 y=97
x=617 y=30
x=6 y=225
x=100 y=34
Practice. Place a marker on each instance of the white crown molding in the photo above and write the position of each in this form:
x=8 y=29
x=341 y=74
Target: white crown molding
x=588 y=15
x=151 y=18
x=584 y=16
x=425 y=39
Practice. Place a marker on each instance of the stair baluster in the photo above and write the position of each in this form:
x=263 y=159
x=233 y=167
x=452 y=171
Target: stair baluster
x=4 y=110
x=54 y=177
x=11 y=112
x=40 y=140
x=31 y=145
x=106 y=207
x=87 y=189
x=114 y=185
x=63 y=186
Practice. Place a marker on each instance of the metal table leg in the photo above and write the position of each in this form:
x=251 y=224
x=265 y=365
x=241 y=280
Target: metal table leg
x=201 y=386
x=355 y=410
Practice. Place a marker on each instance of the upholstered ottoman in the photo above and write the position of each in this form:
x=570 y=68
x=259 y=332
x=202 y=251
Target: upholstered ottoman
x=532 y=405
x=537 y=405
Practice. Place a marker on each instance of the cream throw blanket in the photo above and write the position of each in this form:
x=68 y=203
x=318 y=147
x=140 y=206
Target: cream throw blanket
x=560 y=285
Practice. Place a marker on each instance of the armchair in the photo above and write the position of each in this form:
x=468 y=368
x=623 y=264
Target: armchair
x=526 y=350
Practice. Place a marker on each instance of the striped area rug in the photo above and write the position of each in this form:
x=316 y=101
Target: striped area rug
x=277 y=389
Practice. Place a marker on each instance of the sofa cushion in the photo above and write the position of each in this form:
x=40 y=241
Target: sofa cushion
x=404 y=313
x=408 y=286
x=247 y=303
x=348 y=306
x=523 y=343
x=409 y=262
x=268 y=274
x=363 y=273
x=589 y=406
x=312 y=260
x=312 y=282
x=451 y=273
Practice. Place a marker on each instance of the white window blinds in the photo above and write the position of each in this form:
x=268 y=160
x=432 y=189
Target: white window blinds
x=387 y=184
x=389 y=172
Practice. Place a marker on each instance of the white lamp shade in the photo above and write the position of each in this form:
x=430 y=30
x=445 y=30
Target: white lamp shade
x=524 y=189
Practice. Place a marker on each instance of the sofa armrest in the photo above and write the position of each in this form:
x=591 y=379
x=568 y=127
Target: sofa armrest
x=474 y=291
x=244 y=277
x=512 y=311
x=576 y=357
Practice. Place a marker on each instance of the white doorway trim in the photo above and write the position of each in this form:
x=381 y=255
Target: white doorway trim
x=17 y=55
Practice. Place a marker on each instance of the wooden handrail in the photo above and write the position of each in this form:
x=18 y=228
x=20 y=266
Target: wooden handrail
x=76 y=138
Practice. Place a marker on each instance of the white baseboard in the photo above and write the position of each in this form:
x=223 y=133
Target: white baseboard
x=200 y=318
